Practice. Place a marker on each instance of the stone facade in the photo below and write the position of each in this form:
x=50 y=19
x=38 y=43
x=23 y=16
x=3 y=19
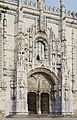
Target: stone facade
x=38 y=54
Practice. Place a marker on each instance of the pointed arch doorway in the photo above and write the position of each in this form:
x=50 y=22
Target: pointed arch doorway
x=41 y=93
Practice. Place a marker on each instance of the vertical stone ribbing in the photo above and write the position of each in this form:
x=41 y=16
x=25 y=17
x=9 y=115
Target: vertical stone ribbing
x=54 y=52
x=4 y=40
x=73 y=62
x=4 y=83
x=1 y=51
x=30 y=45
x=34 y=29
x=50 y=47
x=42 y=23
x=21 y=96
x=63 y=60
x=62 y=37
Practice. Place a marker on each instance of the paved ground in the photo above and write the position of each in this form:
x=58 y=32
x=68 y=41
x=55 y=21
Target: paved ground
x=67 y=118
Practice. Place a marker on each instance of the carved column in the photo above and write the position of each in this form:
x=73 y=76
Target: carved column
x=22 y=107
x=6 y=84
x=4 y=39
x=30 y=47
x=21 y=92
x=50 y=103
x=39 y=103
x=56 y=98
x=63 y=49
x=50 y=47
x=64 y=69
x=8 y=110
x=4 y=45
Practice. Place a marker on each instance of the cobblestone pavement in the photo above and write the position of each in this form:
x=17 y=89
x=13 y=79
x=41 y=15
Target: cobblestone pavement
x=59 y=118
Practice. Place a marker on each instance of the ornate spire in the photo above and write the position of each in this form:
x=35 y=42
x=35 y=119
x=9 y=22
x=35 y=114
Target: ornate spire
x=62 y=2
x=62 y=8
x=41 y=6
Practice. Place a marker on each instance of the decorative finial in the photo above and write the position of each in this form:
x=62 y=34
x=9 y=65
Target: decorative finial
x=62 y=2
x=62 y=8
x=40 y=4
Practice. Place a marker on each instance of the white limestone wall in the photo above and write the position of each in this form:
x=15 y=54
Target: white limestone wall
x=69 y=48
x=28 y=20
x=75 y=54
x=75 y=93
x=69 y=64
x=5 y=103
x=10 y=41
x=75 y=73
x=55 y=26
x=71 y=41
x=1 y=66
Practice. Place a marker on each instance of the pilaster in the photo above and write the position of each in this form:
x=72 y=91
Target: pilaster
x=21 y=107
x=39 y=103
x=65 y=86
x=4 y=39
x=21 y=68
x=1 y=51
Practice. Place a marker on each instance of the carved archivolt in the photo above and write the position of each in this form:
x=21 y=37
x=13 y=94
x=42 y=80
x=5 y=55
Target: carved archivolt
x=40 y=81
x=46 y=71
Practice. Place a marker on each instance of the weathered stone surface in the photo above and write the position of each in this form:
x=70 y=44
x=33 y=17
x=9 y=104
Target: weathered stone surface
x=38 y=59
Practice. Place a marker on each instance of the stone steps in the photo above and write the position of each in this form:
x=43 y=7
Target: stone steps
x=34 y=116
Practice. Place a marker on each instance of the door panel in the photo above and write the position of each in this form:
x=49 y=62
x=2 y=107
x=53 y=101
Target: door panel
x=32 y=102
x=44 y=103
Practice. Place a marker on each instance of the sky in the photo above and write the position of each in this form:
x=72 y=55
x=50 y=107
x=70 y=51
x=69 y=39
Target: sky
x=69 y=4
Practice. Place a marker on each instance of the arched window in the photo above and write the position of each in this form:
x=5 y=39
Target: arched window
x=40 y=50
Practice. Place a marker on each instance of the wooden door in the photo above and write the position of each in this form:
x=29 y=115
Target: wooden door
x=44 y=103
x=32 y=102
